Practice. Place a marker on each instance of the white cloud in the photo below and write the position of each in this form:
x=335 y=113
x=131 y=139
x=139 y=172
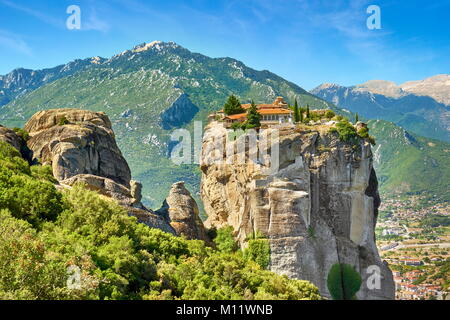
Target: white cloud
x=14 y=42
x=93 y=22
x=35 y=13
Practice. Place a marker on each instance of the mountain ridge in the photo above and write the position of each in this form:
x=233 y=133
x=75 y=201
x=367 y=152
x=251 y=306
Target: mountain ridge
x=380 y=99
x=139 y=88
x=148 y=91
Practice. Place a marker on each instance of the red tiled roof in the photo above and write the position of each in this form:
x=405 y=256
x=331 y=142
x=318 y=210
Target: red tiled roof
x=236 y=116
x=271 y=111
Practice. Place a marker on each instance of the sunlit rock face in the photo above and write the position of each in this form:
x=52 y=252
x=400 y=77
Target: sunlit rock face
x=318 y=209
x=183 y=214
x=81 y=147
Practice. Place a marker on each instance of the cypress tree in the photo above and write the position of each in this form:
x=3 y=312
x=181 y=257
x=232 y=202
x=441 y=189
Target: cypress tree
x=356 y=118
x=296 y=112
x=307 y=111
x=253 y=117
x=233 y=106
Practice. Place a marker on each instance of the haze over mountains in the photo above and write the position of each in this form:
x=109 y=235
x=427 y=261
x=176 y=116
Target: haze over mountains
x=422 y=106
x=156 y=87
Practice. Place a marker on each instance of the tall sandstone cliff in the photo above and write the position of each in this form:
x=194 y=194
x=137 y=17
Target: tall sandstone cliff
x=318 y=209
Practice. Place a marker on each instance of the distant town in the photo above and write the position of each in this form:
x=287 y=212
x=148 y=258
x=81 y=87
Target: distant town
x=415 y=242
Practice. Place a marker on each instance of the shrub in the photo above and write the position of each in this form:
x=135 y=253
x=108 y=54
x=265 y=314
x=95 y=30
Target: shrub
x=258 y=251
x=225 y=240
x=63 y=121
x=22 y=133
x=27 y=198
x=330 y=114
x=346 y=131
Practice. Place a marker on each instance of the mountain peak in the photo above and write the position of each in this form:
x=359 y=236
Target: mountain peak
x=326 y=86
x=155 y=45
x=384 y=87
x=437 y=87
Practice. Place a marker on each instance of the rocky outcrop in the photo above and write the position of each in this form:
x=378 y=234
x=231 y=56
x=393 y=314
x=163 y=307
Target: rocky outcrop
x=81 y=148
x=10 y=137
x=319 y=208
x=77 y=142
x=183 y=213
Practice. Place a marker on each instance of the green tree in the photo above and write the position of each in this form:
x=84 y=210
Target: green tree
x=343 y=282
x=308 y=115
x=297 y=117
x=253 y=117
x=233 y=106
x=259 y=251
x=356 y=117
x=225 y=240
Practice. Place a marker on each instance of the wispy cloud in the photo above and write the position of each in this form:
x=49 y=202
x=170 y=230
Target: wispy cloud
x=90 y=19
x=35 y=13
x=94 y=23
x=14 y=42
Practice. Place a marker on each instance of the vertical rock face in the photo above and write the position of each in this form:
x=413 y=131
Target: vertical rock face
x=182 y=211
x=318 y=209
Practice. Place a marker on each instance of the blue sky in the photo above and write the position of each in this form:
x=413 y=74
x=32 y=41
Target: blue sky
x=307 y=42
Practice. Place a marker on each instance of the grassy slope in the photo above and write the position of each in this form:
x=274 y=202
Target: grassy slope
x=409 y=163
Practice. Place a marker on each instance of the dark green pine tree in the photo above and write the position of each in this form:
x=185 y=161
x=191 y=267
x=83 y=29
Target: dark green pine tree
x=296 y=112
x=233 y=106
x=307 y=111
x=356 y=118
x=253 y=117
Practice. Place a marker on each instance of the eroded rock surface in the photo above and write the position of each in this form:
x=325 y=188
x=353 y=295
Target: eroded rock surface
x=10 y=137
x=77 y=142
x=183 y=213
x=81 y=148
x=318 y=209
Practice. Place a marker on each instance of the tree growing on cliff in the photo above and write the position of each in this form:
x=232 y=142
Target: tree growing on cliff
x=253 y=117
x=233 y=106
x=343 y=282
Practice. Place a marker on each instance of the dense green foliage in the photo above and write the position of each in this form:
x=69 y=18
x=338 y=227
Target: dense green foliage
x=297 y=116
x=224 y=240
x=346 y=131
x=24 y=191
x=259 y=251
x=435 y=220
x=253 y=117
x=51 y=239
x=343 y=282
x=233 y=106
